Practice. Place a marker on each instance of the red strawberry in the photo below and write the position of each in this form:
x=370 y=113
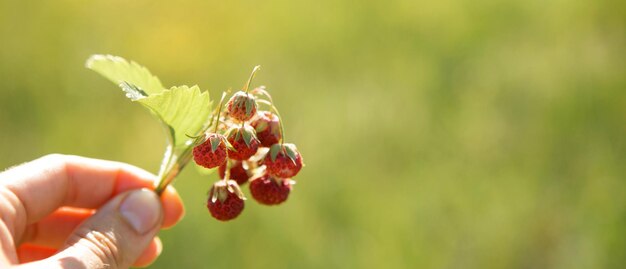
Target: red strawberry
x=244 y=143
x=237 y=172
x=212 y=152
x=283 y=161
x=270 y=191
x=267 y=128
x=225 y=200
x=242 y=106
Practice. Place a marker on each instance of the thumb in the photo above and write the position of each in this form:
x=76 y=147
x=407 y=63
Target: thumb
x=115 y=236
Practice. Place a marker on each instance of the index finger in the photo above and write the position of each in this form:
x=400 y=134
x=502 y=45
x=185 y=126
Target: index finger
x=45 y=184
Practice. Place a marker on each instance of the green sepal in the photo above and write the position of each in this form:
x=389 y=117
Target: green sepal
x=247 y=136
x=291 y=153
x=197 y=140
x=274 y=150
x=214 y=193
x=220 y=191
x=215 y=143
x=194 y=136
x=229 y=145
x=229 y=132
x=276 y=130
x=220 y=194
x=249 y=105
x=261 y=126
x=236 y=189
x=223 y=194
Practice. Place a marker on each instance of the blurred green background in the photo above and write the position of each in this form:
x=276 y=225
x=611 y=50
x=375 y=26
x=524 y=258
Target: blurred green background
x=437 y=134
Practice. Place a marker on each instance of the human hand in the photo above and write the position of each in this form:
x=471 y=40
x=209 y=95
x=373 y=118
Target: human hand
x=73 y=212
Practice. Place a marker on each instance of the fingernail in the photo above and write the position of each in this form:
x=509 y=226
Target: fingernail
x=142 y=210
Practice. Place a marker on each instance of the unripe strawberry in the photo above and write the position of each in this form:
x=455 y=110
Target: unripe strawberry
x=225 y=200
x=242 y=106
x=267 y=128
x=237 y=172
x=268 y=190
x=283 y=161
x=212 y=152
x=244 y=143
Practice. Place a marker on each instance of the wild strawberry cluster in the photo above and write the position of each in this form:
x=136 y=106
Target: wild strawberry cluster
x=246 y=145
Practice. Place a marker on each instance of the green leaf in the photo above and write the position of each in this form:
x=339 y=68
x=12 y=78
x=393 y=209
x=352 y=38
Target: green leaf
x=184 y=110
x=132 y=92
x=118 y=70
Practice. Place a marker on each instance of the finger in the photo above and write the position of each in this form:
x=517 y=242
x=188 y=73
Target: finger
x=173 y=208
x=114 y=237
x=29 y=253
x=45 y=184
x=53 y=230
x=150 y=254
x=55 y=180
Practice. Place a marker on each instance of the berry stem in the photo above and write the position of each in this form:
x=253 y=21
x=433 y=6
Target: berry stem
x=172 y=165
x=282 y=129
x=247 y=86
x=227 y=172
x=219 y=112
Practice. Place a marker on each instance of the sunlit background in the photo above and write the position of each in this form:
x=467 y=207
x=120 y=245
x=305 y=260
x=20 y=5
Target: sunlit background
x=436 y=134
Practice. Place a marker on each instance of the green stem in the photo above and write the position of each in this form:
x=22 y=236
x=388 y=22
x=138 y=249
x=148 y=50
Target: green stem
x=174 y=167
x=219 y=112
x=166 y=178
x=166 y=172
x=256 y=68
x=280 y=122
x=227 y=172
